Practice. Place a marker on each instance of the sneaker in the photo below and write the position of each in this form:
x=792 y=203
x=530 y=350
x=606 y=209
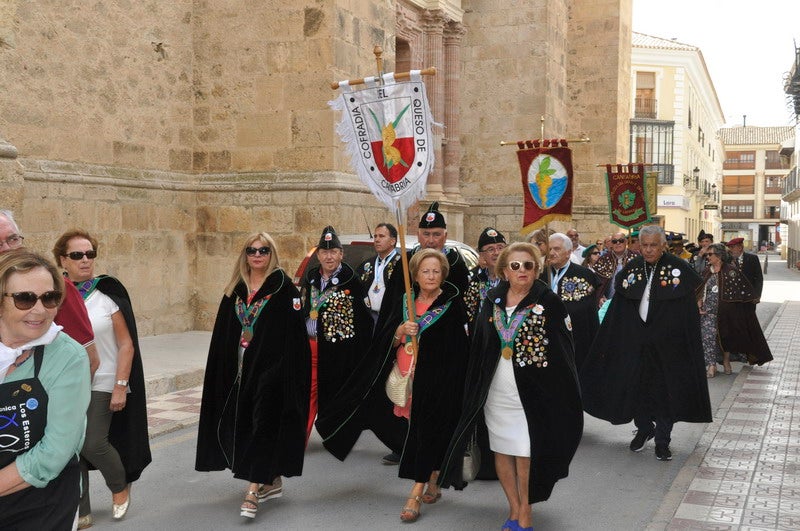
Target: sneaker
x=267 y=493
x=391 y=459
x=85 y=522
x=663 y=453
x=640 y=440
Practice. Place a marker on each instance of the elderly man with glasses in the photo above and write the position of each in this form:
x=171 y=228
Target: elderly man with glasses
x=72 y=315
x=612 y=262
x=491 y=243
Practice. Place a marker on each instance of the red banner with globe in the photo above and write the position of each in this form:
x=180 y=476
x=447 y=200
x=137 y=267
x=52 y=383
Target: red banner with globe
x=546 y=168
x=627 y=195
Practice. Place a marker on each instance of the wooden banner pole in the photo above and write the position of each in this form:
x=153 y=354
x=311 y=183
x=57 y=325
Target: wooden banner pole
x=401 y=230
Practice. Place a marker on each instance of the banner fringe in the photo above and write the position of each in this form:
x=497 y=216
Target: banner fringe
x=412 y=194
x=544 y=220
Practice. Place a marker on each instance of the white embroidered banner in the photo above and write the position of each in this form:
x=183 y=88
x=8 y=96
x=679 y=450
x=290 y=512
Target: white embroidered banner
x=387 y=130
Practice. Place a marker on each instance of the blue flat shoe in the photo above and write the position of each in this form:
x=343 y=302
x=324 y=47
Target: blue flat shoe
x=510 y=525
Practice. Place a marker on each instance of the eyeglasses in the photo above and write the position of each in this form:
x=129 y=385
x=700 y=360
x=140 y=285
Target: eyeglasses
x=78 y=255
x=515 y=265
x=13 y=241
x=25 y=300
x=493 y=248
x=621 y=240
x=251 y=251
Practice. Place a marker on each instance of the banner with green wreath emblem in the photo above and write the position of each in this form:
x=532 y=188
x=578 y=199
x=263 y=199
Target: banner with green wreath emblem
x=627 y=195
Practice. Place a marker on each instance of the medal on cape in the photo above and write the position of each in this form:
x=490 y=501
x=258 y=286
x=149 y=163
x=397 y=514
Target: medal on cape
x=318 y=300
x=507 y=328
x=377 y=288
x=409 y=348
x=247 y=335
x=248 y=315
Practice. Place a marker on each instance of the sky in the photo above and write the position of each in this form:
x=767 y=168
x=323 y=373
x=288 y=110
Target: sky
x=748 y=48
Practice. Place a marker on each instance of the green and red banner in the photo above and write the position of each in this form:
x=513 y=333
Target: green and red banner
x=627 y=195
x=546 y=168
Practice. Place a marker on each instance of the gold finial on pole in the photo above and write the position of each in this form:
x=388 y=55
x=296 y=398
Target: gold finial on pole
x=541 y=122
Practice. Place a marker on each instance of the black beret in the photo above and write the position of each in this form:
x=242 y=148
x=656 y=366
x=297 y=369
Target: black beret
x=329 y=239
x=489 y=236
x=432 y=219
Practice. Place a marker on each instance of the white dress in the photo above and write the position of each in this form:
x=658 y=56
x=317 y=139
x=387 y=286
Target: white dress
x=505 y=418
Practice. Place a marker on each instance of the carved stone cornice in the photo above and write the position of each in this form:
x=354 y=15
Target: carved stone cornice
x=433 y=21
x=454 y=32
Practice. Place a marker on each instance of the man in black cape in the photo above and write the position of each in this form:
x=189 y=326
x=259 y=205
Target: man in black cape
x=749 y=265
x=338 y=322
x=577 y=287
x=432 y=234
x=647 y=360
x=377 y=273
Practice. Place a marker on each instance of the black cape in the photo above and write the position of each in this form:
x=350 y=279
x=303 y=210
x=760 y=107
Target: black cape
x=392 y=281
x=578 y=290
x=751 y=267
x=550 y=394
x=737 y=323
x=256 y=425
x=128 y=431
x=625 y=346
x=344 y=330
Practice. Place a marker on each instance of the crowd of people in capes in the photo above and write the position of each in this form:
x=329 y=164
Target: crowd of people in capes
x=448 y=372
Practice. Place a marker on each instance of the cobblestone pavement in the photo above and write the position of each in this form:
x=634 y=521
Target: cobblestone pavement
x=173 y=411
x=748 y=477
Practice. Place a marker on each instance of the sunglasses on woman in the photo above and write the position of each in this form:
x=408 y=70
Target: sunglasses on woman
x=78 y=255
x=515 y=265
x=25 y=300
x=251 y=251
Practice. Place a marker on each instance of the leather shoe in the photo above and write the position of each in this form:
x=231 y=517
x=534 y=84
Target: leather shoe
x=118 y=511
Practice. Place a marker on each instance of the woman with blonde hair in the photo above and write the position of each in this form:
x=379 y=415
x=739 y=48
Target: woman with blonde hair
x=256 y=387
x=522 y=377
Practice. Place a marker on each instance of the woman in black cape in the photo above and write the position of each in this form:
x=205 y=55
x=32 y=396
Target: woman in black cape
x=255 y=394
x=438 y=382
x=522 y=376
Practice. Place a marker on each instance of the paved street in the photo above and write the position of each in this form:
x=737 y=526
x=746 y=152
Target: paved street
x=739 y=472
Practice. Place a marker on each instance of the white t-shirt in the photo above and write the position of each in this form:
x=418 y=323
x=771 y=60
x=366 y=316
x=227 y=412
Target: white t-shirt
x=101 y=308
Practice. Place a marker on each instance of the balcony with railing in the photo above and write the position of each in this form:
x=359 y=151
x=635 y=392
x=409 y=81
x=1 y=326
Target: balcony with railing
x=791 y=186
x=645 y=108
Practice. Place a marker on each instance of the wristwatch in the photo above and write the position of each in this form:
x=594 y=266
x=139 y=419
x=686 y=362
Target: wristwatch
x=123 y=383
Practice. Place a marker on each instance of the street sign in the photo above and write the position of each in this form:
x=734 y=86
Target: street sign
x=710 y=207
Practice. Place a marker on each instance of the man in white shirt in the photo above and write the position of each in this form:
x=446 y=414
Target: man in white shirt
x=577 y=249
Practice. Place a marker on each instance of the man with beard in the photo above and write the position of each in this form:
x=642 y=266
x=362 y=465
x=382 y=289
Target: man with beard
x=646 y=363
